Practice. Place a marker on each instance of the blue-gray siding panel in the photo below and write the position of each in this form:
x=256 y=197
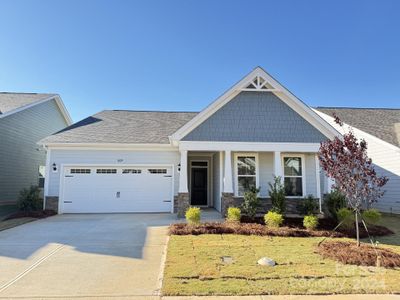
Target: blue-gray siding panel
x=20 y=156
x=256 y=117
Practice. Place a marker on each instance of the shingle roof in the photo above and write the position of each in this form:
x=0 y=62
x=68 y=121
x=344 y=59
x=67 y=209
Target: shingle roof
x=123 y=126
x=384 y=123
x=12 y=101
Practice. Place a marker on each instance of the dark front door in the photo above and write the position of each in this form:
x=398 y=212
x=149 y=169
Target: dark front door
x=198 y=193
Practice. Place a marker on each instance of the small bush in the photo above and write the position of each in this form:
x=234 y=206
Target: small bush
x=371 y=216
x=233 y=214
x=310 y=222
x=251 y=202
x=29 y=199
x=273 y=219
x=277 y=195
x=308 y=206
x=333 y=202
x=347 y=216
x=193 y=215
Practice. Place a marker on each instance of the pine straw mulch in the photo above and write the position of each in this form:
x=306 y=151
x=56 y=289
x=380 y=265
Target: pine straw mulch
x=247 y=229
x=365 y=255
x=328 y=225
x=37 y=214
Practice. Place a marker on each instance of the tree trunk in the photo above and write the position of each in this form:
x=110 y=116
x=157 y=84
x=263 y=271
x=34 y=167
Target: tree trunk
x=357 y=230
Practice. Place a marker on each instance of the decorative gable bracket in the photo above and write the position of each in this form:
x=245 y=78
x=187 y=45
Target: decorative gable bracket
x=259 y=84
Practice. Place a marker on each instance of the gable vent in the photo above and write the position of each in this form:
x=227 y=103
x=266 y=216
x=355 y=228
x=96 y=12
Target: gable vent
x=259 y=84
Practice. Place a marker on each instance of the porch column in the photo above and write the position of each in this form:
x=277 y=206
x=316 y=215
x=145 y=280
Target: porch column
x=278 y=170
x=318 y=181
x=183 y=176
x=228 y=187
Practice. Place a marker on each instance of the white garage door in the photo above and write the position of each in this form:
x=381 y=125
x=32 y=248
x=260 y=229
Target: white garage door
x=117 y=189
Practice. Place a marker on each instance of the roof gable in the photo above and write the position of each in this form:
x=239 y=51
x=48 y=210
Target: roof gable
x=11 y=103
x=258 y=81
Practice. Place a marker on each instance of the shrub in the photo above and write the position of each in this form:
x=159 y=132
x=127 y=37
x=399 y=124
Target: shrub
x=333 y=202
x=371 y=216
x=233 y=214
x=251 y=202
x=193 y=215
x=273 y=219
x=277 y=195
x=29 y=199
x=346 y=216
x=308 y=206
x=310 y=222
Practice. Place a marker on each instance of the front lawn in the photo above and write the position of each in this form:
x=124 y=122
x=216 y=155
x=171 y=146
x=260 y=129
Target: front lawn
x=194 y=267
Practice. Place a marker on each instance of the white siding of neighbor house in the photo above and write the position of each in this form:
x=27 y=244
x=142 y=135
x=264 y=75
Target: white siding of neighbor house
x=386 y=158
x=108 y=157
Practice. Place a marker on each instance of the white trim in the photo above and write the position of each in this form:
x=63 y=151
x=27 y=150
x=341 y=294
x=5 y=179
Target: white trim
x=62 y=176
x=221 y=179
x=111 y=146
x=47 y=178
x=292 y=101
x=303 y=171
x=58 y=100
x=236 y=175
x=249 y=146
x=318 y=178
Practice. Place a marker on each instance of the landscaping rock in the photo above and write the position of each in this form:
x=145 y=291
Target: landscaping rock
x=265 y=261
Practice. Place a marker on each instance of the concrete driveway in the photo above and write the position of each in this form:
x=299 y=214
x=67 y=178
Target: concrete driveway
x=93 y=255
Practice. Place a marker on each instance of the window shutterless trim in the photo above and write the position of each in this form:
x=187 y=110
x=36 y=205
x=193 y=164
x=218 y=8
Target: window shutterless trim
x=235 y=167
x=303 y=172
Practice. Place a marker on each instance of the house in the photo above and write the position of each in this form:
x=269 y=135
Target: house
x=380 y=128
x=26 y=118
x=141 y=161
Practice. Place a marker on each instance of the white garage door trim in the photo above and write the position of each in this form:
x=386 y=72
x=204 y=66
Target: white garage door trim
x=69 y=165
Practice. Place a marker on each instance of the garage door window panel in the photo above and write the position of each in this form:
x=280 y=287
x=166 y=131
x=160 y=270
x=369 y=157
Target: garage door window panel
x=106 y=171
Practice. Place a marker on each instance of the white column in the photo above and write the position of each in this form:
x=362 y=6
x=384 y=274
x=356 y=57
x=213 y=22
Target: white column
x=318 y=181
x=228 y=188
x=183 y=176
x=278 y=170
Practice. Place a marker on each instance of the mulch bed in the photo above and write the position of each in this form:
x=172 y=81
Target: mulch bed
x=365 y=255
x=247 y=229
x=329 y=225
x=40 y=214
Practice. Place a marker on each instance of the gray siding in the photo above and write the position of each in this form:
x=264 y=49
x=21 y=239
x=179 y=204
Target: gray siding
x=20 y=156
x=256 y=117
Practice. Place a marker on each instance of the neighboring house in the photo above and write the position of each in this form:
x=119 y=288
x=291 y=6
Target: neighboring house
x=26 y=118
x=381 y=129
x=137 y=161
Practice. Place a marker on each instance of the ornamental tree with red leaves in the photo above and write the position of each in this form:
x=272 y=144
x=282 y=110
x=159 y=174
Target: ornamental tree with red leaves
x=345 y=160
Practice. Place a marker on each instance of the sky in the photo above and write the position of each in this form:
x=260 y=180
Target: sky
x=181 y=55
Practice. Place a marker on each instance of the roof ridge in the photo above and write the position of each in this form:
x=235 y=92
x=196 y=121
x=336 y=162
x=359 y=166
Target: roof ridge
x=158 y=111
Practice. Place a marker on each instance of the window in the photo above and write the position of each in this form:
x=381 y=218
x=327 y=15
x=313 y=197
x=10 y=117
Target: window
x=80 y=171
x=106 y=171
x=293 y=175
x=246 y=170
x=199 y=164
x=42 y=175
x=157 y=171
x=131 y=171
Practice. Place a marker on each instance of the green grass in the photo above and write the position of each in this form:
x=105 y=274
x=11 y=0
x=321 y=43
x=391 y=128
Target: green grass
x=194 y=267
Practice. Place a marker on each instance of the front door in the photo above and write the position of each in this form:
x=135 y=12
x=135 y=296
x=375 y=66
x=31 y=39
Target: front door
x=199 y=191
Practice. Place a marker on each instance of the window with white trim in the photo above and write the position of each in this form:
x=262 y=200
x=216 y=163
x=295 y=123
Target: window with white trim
x=293 y=175
x=131 y=171
x=106 y=171
x=80 y=171
x=246 y=172
x=157 y=171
